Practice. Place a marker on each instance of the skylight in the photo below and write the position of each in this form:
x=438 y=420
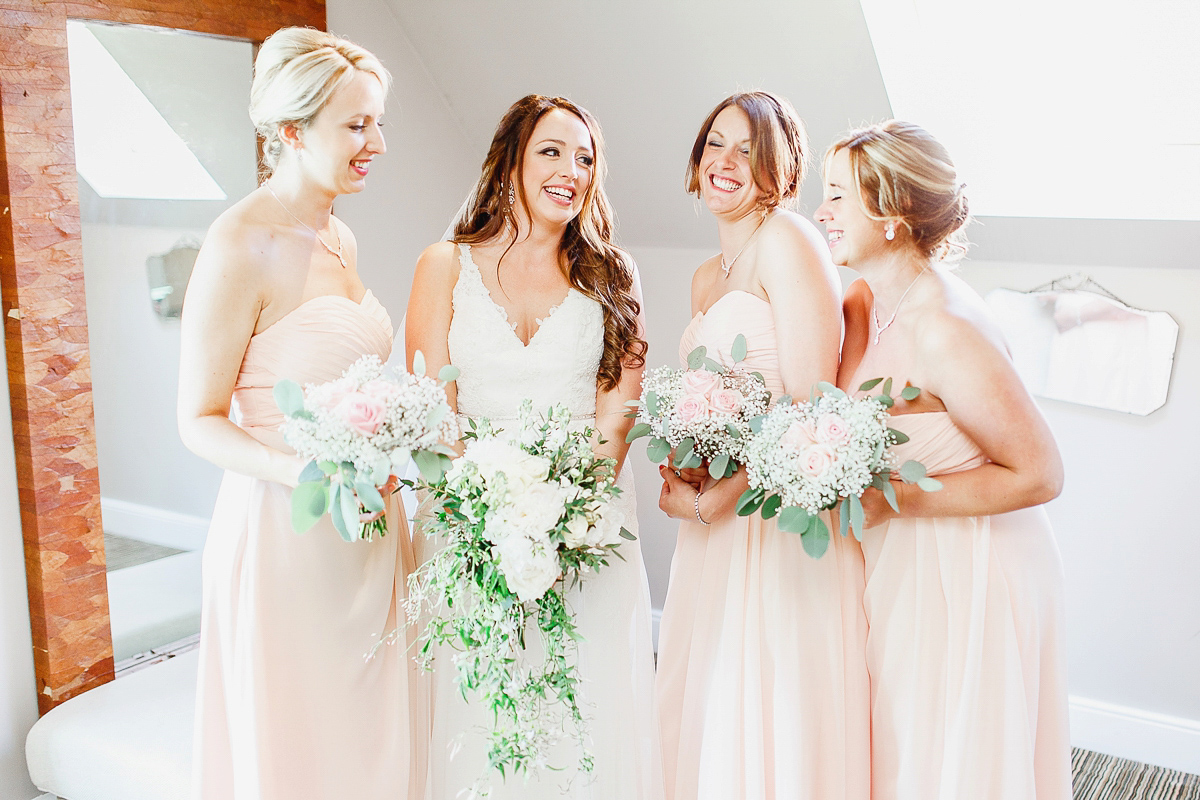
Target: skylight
x=1053 y=108
x=123 y=146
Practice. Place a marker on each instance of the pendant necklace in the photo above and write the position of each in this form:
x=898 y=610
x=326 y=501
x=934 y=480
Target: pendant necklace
x=726 y=268
x=337 y=253
x=875 y=313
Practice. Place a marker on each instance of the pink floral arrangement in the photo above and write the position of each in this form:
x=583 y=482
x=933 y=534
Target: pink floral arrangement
x=360 y=431
x=702 y=412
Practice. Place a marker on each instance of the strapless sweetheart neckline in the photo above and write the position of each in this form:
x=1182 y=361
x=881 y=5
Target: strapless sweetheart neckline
x=355 y=303
x=727 y=294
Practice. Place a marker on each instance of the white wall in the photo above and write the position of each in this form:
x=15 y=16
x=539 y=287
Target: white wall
x=416 y=187
x=1127 y=528
x=18 y=692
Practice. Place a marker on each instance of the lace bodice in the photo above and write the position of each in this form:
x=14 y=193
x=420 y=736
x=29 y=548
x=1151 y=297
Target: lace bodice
x=497 y=371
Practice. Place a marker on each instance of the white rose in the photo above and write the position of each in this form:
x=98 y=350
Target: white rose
x=529 y=568
x=492 y=456
x=535 y=511
x=577 y=531
x=525 y=471
x=607 y=530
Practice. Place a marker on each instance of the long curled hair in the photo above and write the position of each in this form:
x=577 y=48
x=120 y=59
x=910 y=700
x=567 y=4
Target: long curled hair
x=595 y=266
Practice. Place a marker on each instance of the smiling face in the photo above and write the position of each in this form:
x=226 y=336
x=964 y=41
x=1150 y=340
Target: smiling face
x=558 y=167
x=338 y=145
x=853 y=236
x=726 y=180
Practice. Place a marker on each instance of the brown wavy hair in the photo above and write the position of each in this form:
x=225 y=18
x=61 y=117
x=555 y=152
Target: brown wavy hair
x=595 y=266
x=778 y=147
x=905 y=175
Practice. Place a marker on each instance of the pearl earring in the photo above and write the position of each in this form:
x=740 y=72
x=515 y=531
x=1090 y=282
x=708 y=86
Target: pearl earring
x=889 y=231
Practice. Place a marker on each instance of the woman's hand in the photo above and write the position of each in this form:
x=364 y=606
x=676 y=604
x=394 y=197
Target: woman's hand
x=876 y=510
x=678 y=497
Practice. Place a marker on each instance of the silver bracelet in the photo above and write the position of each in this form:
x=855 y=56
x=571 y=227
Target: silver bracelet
x=699 y=518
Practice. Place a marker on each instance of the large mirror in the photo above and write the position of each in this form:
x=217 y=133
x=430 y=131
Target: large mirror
x=163 y=145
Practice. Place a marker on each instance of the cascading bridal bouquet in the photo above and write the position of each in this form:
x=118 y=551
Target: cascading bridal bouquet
x=360 y=430
x=703 y=412
x=520 y=517
x=809 y=457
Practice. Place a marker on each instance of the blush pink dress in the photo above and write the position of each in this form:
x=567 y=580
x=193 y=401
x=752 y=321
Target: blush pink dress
x=762 y=682
x=966 y=644
x=288 y=707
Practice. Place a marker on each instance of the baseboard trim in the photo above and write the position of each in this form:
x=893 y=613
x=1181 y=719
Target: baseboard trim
x=1145 y=736
x=153 y=525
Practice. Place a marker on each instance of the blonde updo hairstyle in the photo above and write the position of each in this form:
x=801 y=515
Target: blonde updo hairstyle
x=296 y=71
x=778 y=147
x=904 y=175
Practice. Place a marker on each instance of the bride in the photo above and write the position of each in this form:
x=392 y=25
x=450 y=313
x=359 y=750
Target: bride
x=531 y=299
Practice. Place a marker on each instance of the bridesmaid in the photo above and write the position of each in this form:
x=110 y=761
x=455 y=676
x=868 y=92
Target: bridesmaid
x=762 y=683
x=964 y=586
x=287 y=706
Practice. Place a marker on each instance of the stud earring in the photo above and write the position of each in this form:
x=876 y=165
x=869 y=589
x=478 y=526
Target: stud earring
x=512 y=195
x=889 y=231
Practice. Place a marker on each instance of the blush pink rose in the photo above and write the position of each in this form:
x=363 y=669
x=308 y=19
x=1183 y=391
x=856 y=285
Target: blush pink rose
x=727 y=401
x=700 y=381
x=380 y=389
x=817 y=459
x=691 y=407
x=361 y=412
x=833 y=430
x=798 y=436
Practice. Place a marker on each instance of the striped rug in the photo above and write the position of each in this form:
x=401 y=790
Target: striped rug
x=1096 y=776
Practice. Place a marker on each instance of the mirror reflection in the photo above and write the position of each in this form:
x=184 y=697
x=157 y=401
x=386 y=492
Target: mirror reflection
x=1083 y=347
x=163 y=145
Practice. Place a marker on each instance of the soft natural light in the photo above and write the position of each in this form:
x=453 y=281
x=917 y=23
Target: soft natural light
x=1053 y=108
x=123 y=146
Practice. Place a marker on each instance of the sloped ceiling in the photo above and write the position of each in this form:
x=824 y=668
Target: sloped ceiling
x=650 y=71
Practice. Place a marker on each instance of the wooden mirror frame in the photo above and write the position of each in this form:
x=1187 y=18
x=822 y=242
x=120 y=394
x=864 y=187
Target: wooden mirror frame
x=45 y=317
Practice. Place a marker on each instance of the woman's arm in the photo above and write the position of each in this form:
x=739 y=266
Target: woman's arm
x=611 y=423
x=967 y=368
x=430 y=310
x=224 y=297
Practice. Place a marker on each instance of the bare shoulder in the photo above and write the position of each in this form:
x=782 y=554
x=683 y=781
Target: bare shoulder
x=437 y=267
x=703 y=279
x=787 y=240
x=955 y=324
x=239 y=250
x=857 y=300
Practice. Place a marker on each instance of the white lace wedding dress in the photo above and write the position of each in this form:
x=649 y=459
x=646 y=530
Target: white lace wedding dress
x=612 y=606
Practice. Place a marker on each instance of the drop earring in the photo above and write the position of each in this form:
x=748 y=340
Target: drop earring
x=889 y=231
x=512 y=195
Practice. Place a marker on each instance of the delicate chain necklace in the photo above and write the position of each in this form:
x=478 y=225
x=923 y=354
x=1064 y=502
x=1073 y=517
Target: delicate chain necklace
x=875 y=313
x=324 y=244
x=726 y=268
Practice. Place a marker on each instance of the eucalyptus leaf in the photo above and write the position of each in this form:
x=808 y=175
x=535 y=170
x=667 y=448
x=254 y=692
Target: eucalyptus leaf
x=738 y=350
x=856 y=516
x=910 y=392
x=760 y=377
x=693 y=460
x=886 y=400
x=878 y=454
x=731 y=468
x=843 y=517
x=749 y=502
x=912 y=471
x=889 y=494
x=310 y=500
x=443 y=449
x=696 y=357
x=786 y=399
x=336 y=510
x=418 y=368
x=770 y=506
x=794 y=519
x=289 y=397
x=929 y=484
x=714 y=366
x=815 y=538
x=429 y=464
x=652 y=403
x=349 y=503
x=625 y=534
x=657 y=450
x=684 y=452
x=898 y=437
x=717 y=467
x=328 y=467
x=448 y=373
x=436 y=415
x=638 y=431
x=732 y=430
x=756 y=423
x=369 y=496
x=825 y=387
x=871 y=384
x=311 y=472
x=887 y=387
